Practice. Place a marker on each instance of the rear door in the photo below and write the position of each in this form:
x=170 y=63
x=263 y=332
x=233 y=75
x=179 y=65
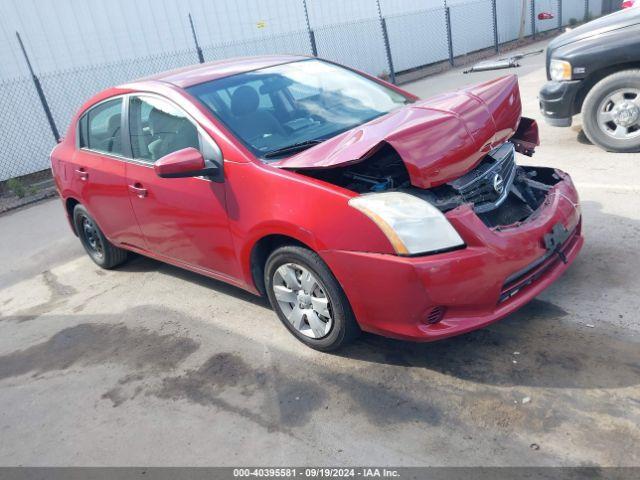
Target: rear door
x=99 y=172
x=182 y=219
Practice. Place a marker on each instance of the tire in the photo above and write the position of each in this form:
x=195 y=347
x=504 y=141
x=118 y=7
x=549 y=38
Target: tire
x=99 y=249
x=337 y=325
x=608 y=94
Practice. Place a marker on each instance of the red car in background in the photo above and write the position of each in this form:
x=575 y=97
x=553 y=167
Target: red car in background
x=352 y=204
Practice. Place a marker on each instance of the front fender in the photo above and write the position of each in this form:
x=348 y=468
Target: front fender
x=263 y=201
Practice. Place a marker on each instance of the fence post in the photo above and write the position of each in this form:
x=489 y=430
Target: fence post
x=387 y=47
x=494 y=10
x=559 y=14
x=312 y=35
x=586 y=10
x=43 y=99
x=447 y=17
x=533 y=19
x=195 y=40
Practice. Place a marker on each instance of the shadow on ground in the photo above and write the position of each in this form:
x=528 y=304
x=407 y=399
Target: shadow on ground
x=138 y=263
x=553 y=351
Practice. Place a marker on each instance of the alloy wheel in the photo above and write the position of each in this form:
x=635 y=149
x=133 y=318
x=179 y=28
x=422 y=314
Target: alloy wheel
x=619 y=114
x=303 y=300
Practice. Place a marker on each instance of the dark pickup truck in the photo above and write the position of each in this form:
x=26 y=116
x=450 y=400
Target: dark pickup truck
x=595 y=69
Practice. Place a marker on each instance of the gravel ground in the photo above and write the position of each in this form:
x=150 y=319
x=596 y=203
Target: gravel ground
x=152 y=365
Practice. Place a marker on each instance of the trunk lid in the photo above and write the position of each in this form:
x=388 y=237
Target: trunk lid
x=438 y=139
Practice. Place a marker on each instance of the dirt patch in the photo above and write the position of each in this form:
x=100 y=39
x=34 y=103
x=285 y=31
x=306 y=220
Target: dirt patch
x=91 y=344
x=218 y=372
x=226 y=377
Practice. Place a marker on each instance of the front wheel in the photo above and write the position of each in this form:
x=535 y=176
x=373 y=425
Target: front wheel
x=101 y=251
x=611 y=112
x=308 y=299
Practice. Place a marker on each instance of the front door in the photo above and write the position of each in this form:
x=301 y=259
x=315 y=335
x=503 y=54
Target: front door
x=182 y=219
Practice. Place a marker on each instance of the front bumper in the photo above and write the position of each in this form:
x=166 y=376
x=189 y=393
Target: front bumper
x=557 y=102
x=497 y=273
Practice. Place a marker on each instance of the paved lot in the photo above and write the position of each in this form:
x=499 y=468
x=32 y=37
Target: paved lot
x=149 y=364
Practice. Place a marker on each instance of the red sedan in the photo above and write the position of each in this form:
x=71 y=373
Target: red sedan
x=350 y=203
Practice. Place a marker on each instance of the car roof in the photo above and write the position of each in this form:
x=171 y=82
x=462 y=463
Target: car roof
x=200 y=73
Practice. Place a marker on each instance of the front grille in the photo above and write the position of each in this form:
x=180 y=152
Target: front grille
x=487 y=185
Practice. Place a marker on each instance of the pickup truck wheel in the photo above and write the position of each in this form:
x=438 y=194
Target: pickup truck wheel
x=101 y=251
x=308 y=299
x=611 y=112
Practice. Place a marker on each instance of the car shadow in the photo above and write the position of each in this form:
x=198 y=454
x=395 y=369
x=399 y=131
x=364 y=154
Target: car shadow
x=534 y=347
x=581 y=137
x=139 y=263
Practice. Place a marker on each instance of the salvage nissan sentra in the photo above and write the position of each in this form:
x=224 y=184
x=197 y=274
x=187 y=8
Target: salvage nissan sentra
x=350 y=203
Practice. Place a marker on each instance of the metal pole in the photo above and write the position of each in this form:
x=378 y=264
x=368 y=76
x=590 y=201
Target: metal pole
x=586 y=10
x=533 y=18
x=447 y=17
x=559 y=14
x=385 y=37
x=195 y=40
x=43 y=99
x=312 y=36
x=494 y=10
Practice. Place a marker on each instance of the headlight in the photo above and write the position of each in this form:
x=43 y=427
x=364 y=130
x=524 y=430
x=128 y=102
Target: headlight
x=560 y=70
x=412 y=225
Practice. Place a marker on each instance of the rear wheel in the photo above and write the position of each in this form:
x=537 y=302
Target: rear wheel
x=308 y=299
x=611 y=112
x=101 y=251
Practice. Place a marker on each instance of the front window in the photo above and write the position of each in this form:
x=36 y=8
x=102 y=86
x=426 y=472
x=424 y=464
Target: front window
x=280 y=110
x=157 y=128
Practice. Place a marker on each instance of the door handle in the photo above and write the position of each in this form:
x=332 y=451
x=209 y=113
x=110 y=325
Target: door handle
x=138 y=190
x=82 y=174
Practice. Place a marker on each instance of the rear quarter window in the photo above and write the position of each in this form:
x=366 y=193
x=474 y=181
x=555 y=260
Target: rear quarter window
x=100 y=128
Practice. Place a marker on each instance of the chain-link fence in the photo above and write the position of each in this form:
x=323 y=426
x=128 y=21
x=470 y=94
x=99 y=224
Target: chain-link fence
x=418 y=38
x=380 y=43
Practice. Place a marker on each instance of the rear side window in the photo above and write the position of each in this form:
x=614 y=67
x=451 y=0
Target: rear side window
x=100 y=128
x=158 y=127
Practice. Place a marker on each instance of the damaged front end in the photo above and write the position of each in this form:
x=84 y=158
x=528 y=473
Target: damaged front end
x=481 y=234
x=452 y=150
x=501 y=192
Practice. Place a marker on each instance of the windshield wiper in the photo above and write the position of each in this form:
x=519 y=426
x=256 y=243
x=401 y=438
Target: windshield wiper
x=296 y=147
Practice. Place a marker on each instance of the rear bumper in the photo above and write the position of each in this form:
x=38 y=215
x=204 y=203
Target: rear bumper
x=497 y=273
x=557 y=102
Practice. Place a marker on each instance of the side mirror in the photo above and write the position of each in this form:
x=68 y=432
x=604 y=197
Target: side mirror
x=187 y=162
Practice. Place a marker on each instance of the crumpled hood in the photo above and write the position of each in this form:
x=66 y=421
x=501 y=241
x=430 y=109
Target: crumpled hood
x=438 y=139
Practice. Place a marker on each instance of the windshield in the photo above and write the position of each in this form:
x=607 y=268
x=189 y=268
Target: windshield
x=280 y=110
